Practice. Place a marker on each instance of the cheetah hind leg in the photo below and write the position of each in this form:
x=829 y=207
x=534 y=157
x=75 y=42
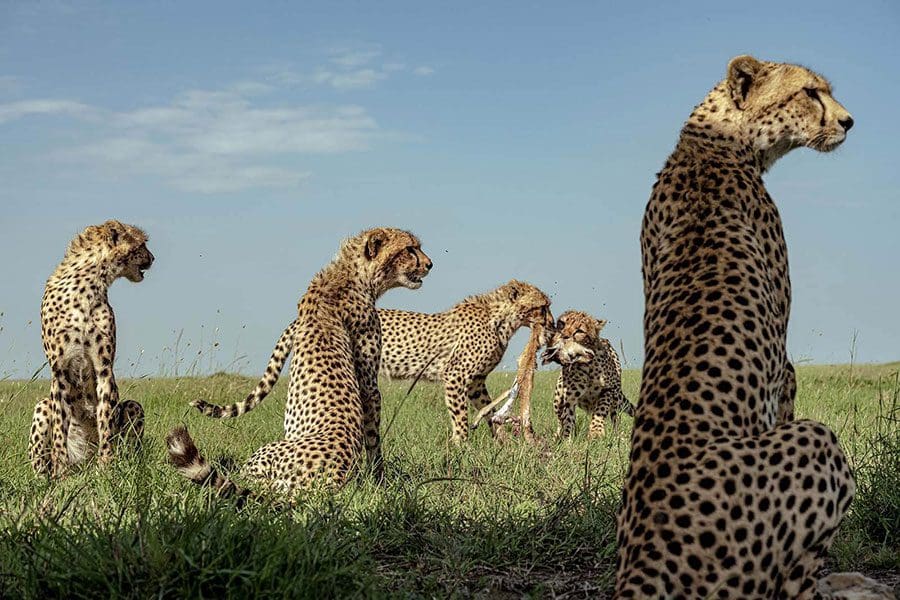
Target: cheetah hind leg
x=128 y=417
x=816 y=475
x=39 y=439
x=788 y=394
x=814 y=484
x=80 y=442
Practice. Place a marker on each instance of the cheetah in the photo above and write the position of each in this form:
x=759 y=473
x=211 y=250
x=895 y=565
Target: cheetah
x=721 y=500
x=590 y=377
x=333 y=407
x=83 y=415
x=461 y=346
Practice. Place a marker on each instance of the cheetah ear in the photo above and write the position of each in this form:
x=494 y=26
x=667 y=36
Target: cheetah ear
x=601 y=323
x=513 y=289
x=742 y=74
x=374 y=243
x=114 y=231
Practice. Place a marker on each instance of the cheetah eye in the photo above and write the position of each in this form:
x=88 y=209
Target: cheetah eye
x=411 y=249
x=812 y=93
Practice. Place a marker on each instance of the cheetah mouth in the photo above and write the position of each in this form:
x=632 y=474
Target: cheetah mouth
x=556 y=355
x=827 y=143
x=584 y=358
x=826 y=146
x=412 y=281
x=550 y=355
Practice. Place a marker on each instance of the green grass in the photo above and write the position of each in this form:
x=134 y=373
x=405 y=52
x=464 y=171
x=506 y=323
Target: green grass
x=486 y=519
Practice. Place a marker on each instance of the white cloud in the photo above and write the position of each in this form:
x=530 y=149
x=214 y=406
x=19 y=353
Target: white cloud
x=297 y=130
x=345 y=69
x=350 y=58
x=210 y=141
x=250 y=88
x=17 y=110
x=183 y=169
x=349 y=80
x=351 y=69
x=227 y=139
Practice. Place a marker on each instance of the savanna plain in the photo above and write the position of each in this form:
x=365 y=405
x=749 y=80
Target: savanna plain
x=489 y=518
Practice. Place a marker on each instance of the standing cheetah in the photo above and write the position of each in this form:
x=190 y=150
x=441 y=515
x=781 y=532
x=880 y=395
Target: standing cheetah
x=719 y=502
x=590 y=377
x=333 y=408
x=83 y=413
x=461 y=346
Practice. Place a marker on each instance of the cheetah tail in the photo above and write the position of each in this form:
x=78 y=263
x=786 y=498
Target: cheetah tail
x=625 y=406
x=282 y=350
x=186 y=458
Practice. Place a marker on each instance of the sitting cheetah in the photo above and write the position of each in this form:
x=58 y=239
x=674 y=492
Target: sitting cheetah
x=334 y=407
x=719 y=501
x=591 y=376
x=461 y=346
x=83 y=413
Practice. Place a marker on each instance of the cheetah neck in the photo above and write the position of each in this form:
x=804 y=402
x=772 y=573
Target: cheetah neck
x=504 y=314
x=507 y=326
x=717 y=127
x=342 y=280
x=87 y=268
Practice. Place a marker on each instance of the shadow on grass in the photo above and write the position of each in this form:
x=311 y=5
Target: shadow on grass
x=166 y=547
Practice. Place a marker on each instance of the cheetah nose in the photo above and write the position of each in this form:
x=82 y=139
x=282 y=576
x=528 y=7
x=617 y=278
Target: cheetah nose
x=428 y=265
x=846 y=123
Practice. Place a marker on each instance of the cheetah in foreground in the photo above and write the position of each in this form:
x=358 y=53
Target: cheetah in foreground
x=719 y=502
x=461 y=346
x=83 y=414
x=333 y=408
x=590 y=377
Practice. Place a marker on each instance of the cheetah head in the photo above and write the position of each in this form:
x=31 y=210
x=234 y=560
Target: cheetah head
x=123 y=247
x=784 y=106
x=395 y=258
x=574 y=340
x=531 y=305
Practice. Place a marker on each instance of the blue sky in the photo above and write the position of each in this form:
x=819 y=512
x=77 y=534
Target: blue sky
x=516 y=139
